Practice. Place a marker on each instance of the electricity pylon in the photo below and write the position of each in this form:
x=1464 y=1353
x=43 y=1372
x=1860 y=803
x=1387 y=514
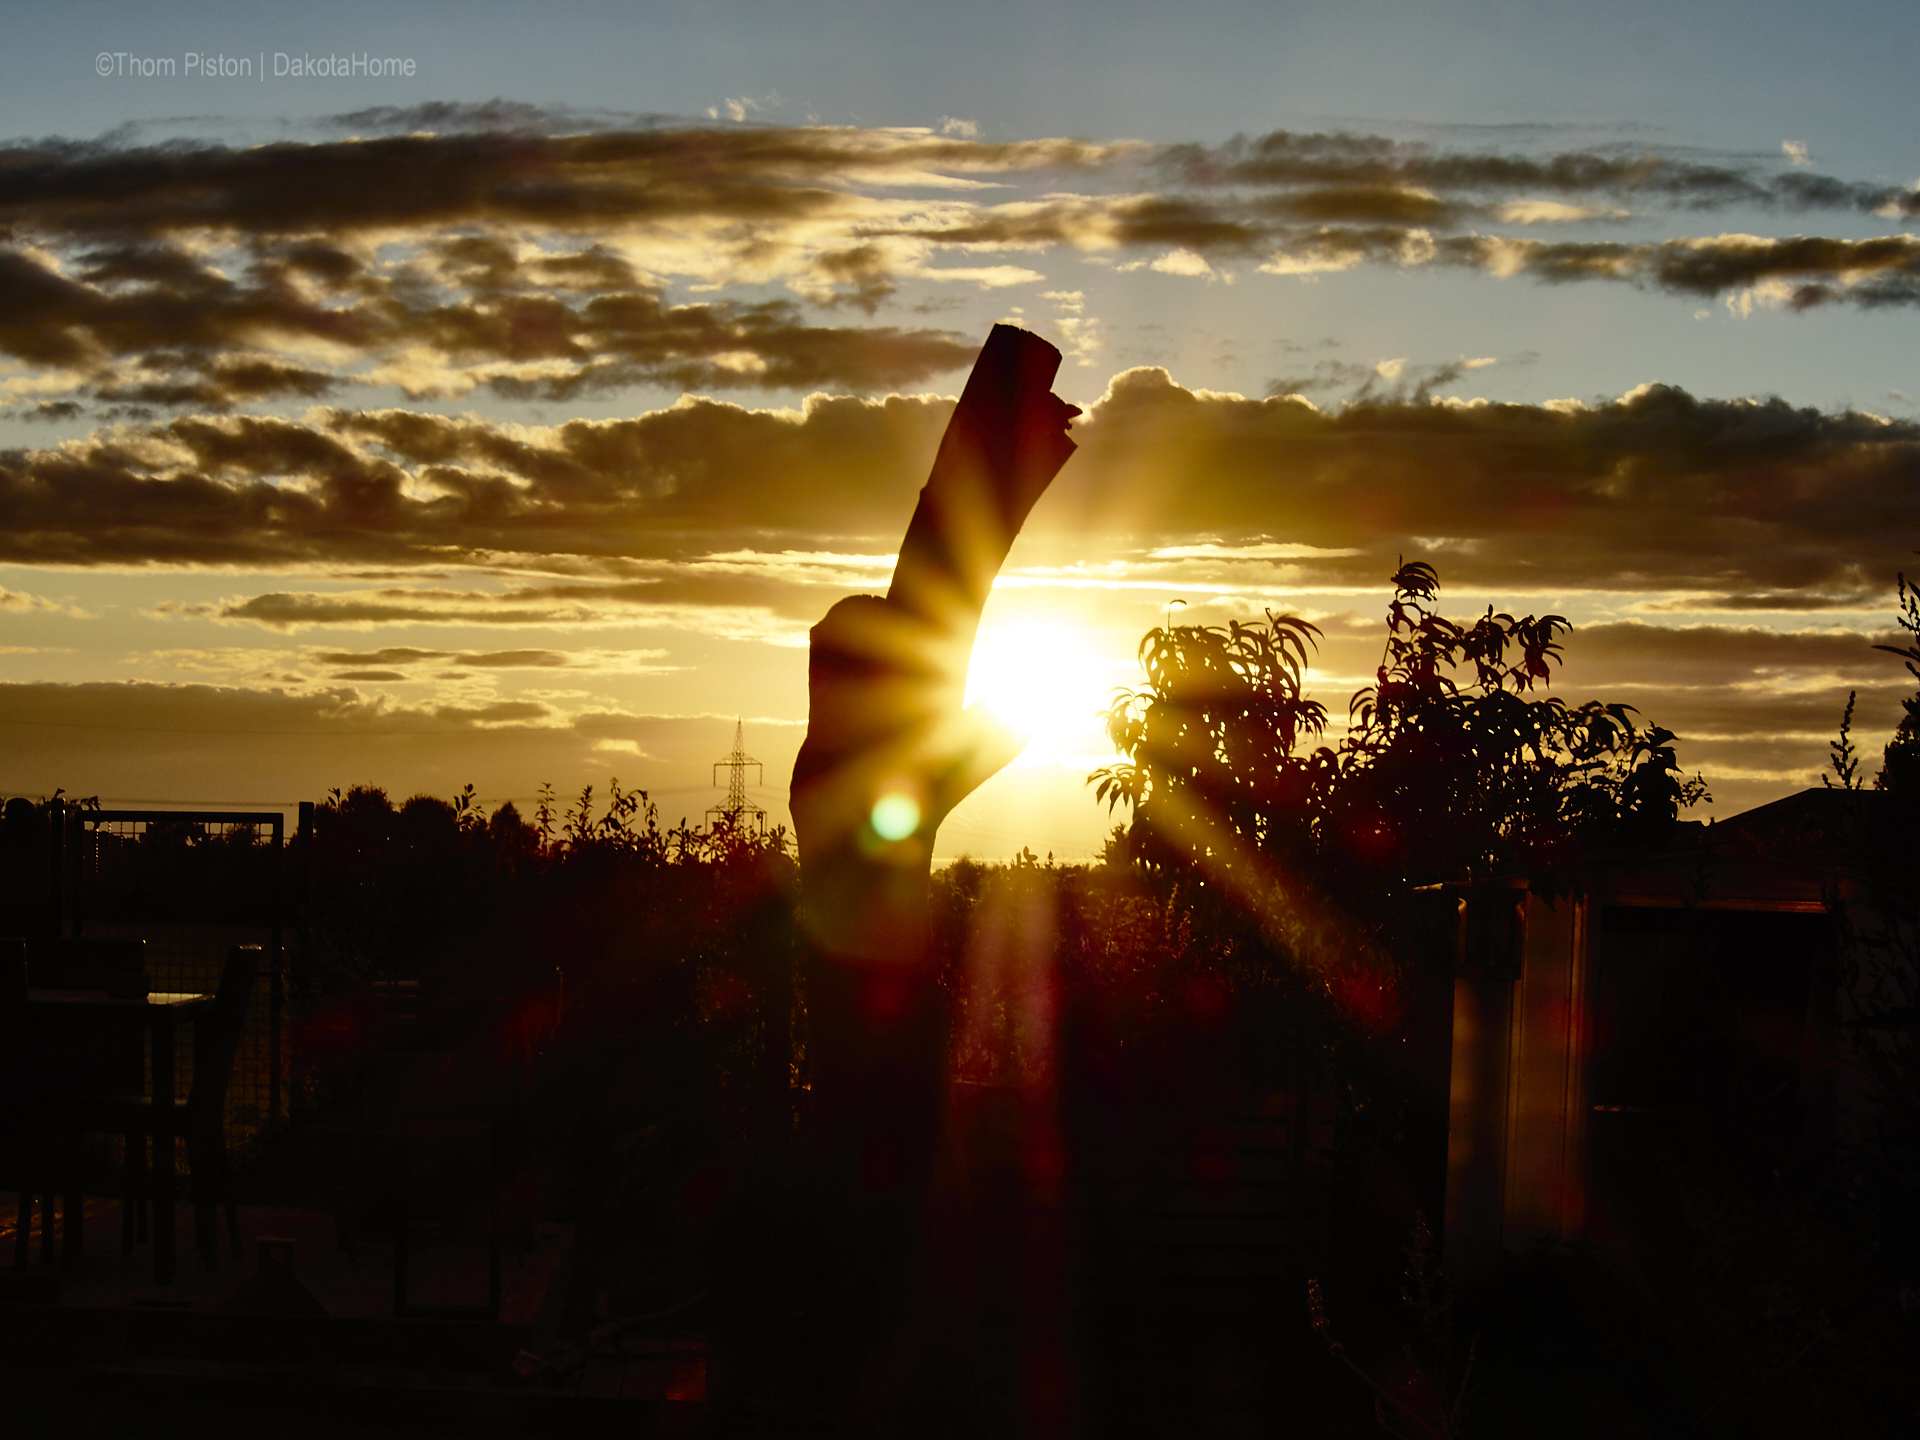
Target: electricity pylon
x=738 y=808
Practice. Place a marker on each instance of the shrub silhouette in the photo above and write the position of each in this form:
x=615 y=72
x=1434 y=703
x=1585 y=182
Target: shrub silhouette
x=1451 y=769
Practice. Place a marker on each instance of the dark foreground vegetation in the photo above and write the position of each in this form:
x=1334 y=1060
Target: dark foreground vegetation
x=1264 y=939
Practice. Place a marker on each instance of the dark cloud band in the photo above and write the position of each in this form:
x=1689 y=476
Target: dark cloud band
x=1695 y=504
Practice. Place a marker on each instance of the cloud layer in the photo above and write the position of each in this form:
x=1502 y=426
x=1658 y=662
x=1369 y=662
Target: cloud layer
x=1692 y=504
x=500 y=257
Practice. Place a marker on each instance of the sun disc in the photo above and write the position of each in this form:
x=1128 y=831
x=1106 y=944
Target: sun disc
x=1042 y=681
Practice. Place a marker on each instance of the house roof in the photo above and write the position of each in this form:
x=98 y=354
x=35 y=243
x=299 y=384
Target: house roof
x=1826 y=827
x=1792 y=853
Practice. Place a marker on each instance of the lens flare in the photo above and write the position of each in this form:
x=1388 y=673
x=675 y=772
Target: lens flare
x=895 y=816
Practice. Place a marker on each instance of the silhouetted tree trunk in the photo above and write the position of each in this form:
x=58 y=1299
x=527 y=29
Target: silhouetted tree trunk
x=889 y=752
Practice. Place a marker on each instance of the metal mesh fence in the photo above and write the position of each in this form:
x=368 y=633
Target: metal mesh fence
x=189 y=958
x=189 y=888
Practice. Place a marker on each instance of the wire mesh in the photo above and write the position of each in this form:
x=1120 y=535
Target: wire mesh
x=190 y=889
x=188 y=959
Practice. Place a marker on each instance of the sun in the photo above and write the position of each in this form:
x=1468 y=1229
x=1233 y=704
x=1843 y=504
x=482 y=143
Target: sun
x=1047 y=682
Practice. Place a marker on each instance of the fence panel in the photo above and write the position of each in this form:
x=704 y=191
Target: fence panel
x=191 y=886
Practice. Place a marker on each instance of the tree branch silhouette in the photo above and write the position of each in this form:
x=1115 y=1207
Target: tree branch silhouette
x=890 y=750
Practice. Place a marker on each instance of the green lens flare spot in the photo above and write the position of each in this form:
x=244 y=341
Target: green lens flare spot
x=895 y=816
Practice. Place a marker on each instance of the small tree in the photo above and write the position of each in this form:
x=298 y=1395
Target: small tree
x=1451 y=767
x=1901 y=770
x=1213 y=735
x=1882 y=963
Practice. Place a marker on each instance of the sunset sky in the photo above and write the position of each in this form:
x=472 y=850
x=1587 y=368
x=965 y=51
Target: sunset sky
x=510 y=421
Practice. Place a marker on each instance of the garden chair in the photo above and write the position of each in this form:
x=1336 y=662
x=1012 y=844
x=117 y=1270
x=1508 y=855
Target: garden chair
x=429 y=1106
x=201 y=1121
x=100 y=1063
x=19 y=1096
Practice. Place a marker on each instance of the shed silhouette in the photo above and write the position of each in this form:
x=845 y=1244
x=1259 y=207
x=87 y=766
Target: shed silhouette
x=1599 y=1005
